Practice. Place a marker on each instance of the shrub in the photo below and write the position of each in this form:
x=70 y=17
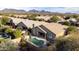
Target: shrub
x=23 y=44
x=51 y=47
x=66 y=23
x=40 y=19
x=54 y=19
x=7 y=45
x=31 y=17
x=17 y=33
x=4 y=20
x=74 y=16
x=67 y=44
x=71 y=29
x=71 y=16
x=9 y=30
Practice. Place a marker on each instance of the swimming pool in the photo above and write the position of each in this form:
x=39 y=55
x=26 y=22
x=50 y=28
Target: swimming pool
x=38 y=41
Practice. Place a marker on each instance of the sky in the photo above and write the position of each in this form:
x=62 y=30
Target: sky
x=55 y=9
x=55 y=6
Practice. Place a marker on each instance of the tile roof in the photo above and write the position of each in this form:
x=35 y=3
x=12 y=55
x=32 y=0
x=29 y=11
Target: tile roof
x=56 y=28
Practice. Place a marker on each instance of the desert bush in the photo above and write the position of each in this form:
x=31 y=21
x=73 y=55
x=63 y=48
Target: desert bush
x=4 y=20
x=70 y=43
x=17 y=33
x=54 y=19
x=7 y=45
x=8 y=30
x=66 y=23
x=71 y=29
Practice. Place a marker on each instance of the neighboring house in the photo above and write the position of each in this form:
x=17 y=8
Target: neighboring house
x=11 y=23
x=21 y=26
x=77 y=24
x=72 y=21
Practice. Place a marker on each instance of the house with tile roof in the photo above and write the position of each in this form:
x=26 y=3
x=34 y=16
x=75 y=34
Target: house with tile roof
x=41 y=29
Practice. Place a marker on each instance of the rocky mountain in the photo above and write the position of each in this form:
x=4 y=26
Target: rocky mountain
x=36 y=11
x=6 y=10
x=12 y=11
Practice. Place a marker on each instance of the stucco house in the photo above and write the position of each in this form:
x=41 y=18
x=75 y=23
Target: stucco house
x=72 y=21
x=49 y=31
x=21 y=26
x=42 y=32
x=41 y=29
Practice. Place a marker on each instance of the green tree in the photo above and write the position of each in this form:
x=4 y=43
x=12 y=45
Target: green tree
x=4 y=20
x=54 y=19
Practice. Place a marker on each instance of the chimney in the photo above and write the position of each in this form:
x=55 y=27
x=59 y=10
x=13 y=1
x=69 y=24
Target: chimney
x=33 y=25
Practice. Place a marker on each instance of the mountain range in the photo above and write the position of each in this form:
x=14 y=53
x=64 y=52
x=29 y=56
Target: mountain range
x=31 y=11
x=12 y=11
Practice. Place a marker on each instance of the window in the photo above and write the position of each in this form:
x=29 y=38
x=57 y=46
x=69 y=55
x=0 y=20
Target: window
x=49 y=35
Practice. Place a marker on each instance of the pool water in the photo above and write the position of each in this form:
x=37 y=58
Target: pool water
x=37 y=41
